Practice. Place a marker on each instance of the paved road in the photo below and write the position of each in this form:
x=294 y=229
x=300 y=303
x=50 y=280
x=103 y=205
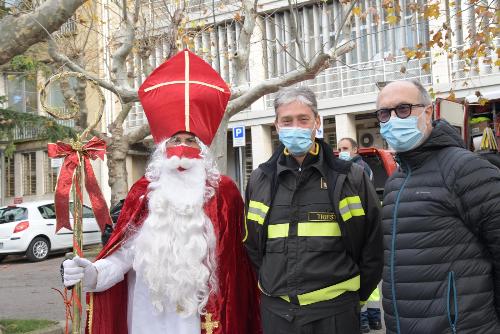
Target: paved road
x=25 y=288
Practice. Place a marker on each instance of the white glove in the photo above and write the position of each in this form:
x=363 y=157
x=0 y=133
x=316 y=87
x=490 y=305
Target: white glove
x=77 y=269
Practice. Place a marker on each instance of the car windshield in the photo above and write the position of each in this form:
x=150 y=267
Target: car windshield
x=12 y=214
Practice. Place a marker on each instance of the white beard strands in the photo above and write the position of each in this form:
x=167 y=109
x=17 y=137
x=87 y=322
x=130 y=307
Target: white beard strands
x=175 y=248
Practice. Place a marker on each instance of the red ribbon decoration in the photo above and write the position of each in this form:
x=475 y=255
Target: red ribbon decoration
x=95 y=148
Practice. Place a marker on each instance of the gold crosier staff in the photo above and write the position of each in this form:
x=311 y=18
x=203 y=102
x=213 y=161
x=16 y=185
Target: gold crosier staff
x=72 y=111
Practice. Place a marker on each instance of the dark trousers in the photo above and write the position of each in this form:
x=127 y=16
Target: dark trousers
x=370 y=315
x=346 y=322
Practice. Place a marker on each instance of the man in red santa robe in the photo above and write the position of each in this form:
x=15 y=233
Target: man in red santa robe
x=175 y=262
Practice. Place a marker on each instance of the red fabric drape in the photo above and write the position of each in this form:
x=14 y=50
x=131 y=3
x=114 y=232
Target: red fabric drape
x=235 y=307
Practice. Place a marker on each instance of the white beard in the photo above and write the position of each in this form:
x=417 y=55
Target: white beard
x=174 y=250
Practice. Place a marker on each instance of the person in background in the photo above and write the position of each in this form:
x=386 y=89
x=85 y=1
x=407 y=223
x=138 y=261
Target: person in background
x=370 y=313
x=348 y=150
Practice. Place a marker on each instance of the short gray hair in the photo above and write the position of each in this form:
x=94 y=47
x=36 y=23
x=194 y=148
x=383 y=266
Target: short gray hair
x=425 y=98
x=291 y=94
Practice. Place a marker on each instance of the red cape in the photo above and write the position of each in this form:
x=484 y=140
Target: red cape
x=235 y=307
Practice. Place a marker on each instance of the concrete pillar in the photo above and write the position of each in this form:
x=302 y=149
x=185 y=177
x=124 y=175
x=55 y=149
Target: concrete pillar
x=40 y=173
x=345 y=126
x=18 y=175
x=262 y=147
x=256 y=61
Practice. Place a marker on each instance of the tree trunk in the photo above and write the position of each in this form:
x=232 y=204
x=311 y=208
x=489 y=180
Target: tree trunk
x=117 y=166
x=219 y=145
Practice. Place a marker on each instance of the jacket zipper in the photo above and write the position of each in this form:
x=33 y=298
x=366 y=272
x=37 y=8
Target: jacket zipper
x=452 y=289
x=393 y=252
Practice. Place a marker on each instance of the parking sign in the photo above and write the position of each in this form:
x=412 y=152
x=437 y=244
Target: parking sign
x=238 y=136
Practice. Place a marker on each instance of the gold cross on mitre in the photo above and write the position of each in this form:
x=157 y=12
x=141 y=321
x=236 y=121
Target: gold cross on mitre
x=186 y=83
x=208 y=325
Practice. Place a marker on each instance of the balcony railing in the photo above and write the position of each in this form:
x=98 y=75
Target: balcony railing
x=361 y=78
x=32 y=133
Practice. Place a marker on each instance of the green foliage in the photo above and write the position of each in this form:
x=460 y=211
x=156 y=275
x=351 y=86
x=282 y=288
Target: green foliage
x=22 y=63
x=25 y=326
x=48 y=128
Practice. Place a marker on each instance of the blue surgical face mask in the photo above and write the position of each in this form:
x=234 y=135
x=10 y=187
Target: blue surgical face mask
x=297 y=140
x=402 y=134
x=345 y=155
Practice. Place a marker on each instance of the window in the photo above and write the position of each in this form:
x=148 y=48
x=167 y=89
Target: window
x=9 y=177
x=87 y=212
x=51 y=172
x=22 y=93
x=13 y=213
x=47 y=211
x=29 y=173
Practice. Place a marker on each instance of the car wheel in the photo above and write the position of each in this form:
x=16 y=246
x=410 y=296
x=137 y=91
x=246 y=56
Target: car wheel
x=2 y=257
x=38 y=249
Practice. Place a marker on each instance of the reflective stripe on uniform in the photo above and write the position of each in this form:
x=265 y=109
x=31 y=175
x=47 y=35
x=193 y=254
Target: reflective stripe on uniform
x=324 y=229
x=351 y=207
x=330 y=292
x=257 y=211
x=305 y=229
x=277 y=231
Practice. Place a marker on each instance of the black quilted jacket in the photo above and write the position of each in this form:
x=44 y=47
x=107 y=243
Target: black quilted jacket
x=441 y=220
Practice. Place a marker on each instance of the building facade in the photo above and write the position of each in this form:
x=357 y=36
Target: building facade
x=347 y=90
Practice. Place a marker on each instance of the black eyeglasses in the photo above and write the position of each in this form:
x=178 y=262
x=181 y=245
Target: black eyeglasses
x=402 y=111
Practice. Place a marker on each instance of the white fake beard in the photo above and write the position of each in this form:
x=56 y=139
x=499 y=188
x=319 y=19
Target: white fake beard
x=174 y=250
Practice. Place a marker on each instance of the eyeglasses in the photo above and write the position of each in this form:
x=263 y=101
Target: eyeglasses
x=190 y=141
x=402 y=111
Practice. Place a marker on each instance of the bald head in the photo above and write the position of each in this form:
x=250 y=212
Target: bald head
x=412 y=90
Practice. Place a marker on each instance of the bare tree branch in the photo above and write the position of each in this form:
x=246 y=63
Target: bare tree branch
x=20 y=32
x=243 y=53
x=125 y=38
x=320 y=62
x=126 y=95
x=294 y=26
x=139 y=134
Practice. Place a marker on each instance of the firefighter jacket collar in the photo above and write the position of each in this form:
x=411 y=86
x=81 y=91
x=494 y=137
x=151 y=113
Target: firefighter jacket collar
x=340 y=166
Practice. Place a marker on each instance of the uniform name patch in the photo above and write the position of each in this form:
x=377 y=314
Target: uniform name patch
x=321 y=216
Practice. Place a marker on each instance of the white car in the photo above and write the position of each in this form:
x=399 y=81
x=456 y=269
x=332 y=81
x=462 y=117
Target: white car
x=30 y=228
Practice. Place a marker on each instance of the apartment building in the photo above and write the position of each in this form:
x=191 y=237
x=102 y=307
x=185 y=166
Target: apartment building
x=347 y=90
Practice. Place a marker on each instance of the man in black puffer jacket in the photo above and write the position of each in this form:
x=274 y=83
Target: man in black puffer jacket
x=441 y=219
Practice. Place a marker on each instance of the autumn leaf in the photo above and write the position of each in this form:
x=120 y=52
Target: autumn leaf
x=452 y=96
x=482 y=101
x=356 y=11
x=392 y=19
x=431 y=11
x=426 y=67
x=497 y=63
x=410 y=54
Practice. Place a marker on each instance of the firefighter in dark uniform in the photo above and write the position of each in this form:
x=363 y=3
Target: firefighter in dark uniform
x=312 y=228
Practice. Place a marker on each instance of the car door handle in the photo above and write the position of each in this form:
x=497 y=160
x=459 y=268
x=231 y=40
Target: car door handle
x=50 y=224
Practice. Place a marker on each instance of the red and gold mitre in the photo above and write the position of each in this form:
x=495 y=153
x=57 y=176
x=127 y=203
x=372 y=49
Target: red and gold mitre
x=184 y=94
